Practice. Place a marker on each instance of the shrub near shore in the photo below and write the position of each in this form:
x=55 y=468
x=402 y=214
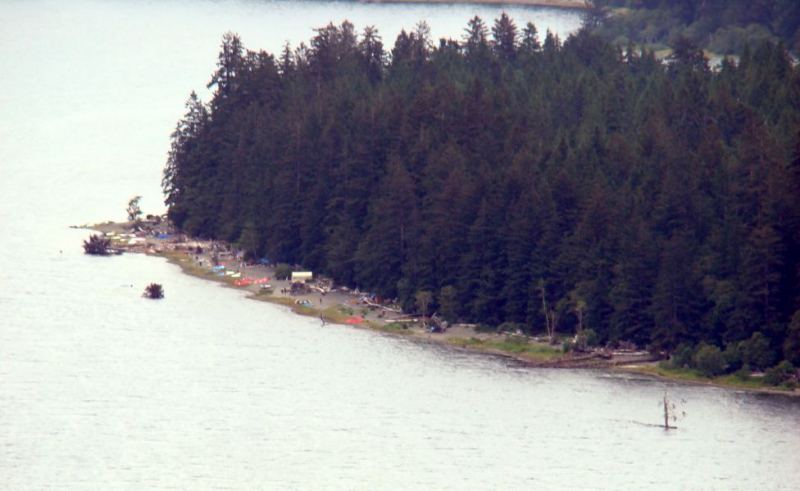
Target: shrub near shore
x=733 y=366
x=97 y=245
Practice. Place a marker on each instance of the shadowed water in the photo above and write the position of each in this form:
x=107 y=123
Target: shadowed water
x=100 y=389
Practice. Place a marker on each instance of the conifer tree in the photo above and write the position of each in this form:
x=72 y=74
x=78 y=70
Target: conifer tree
x=654 y=203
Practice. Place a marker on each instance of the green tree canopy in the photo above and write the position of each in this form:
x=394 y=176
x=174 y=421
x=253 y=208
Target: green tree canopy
x=653 y=203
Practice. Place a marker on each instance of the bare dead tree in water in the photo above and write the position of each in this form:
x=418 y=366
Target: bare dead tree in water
x=671 y=413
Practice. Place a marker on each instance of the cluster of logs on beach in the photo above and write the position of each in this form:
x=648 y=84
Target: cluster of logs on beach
x=600 y=358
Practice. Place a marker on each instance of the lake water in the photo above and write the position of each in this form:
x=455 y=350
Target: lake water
x=100 y=389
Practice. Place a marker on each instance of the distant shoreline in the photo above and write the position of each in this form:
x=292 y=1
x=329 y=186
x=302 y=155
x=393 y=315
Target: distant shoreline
x=563 y=4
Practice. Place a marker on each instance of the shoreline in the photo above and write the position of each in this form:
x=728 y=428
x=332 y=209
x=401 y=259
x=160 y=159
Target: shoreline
x=339 y=309
x=658 y=373
x=561 y=4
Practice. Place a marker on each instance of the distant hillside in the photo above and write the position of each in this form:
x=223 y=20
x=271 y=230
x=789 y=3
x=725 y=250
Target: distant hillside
x=719 y=26
x=567 y=4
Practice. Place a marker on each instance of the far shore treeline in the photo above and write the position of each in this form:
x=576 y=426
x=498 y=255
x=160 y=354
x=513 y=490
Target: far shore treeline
x=720 y=26
x=657 y=203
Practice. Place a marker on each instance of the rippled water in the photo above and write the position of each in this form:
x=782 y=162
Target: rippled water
x=100 y=389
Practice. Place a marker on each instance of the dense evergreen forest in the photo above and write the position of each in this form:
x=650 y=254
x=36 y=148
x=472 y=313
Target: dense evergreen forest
x=657 y=203
x=721 y=26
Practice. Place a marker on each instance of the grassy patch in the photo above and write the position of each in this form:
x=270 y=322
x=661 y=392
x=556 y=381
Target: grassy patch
x=691 y=375
x=515 y=346
x=305 y=310
x=686 y=374
x=395 y=327
x=335 y=314
x=466 y=342
x=749 y=383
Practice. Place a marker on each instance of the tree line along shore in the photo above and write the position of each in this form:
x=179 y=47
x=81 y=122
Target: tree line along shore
x=724 y=28
x=220 y=262
x=568 y=4
x=523 y=183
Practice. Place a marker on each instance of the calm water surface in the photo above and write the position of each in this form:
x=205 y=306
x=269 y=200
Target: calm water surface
x=100 y=389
